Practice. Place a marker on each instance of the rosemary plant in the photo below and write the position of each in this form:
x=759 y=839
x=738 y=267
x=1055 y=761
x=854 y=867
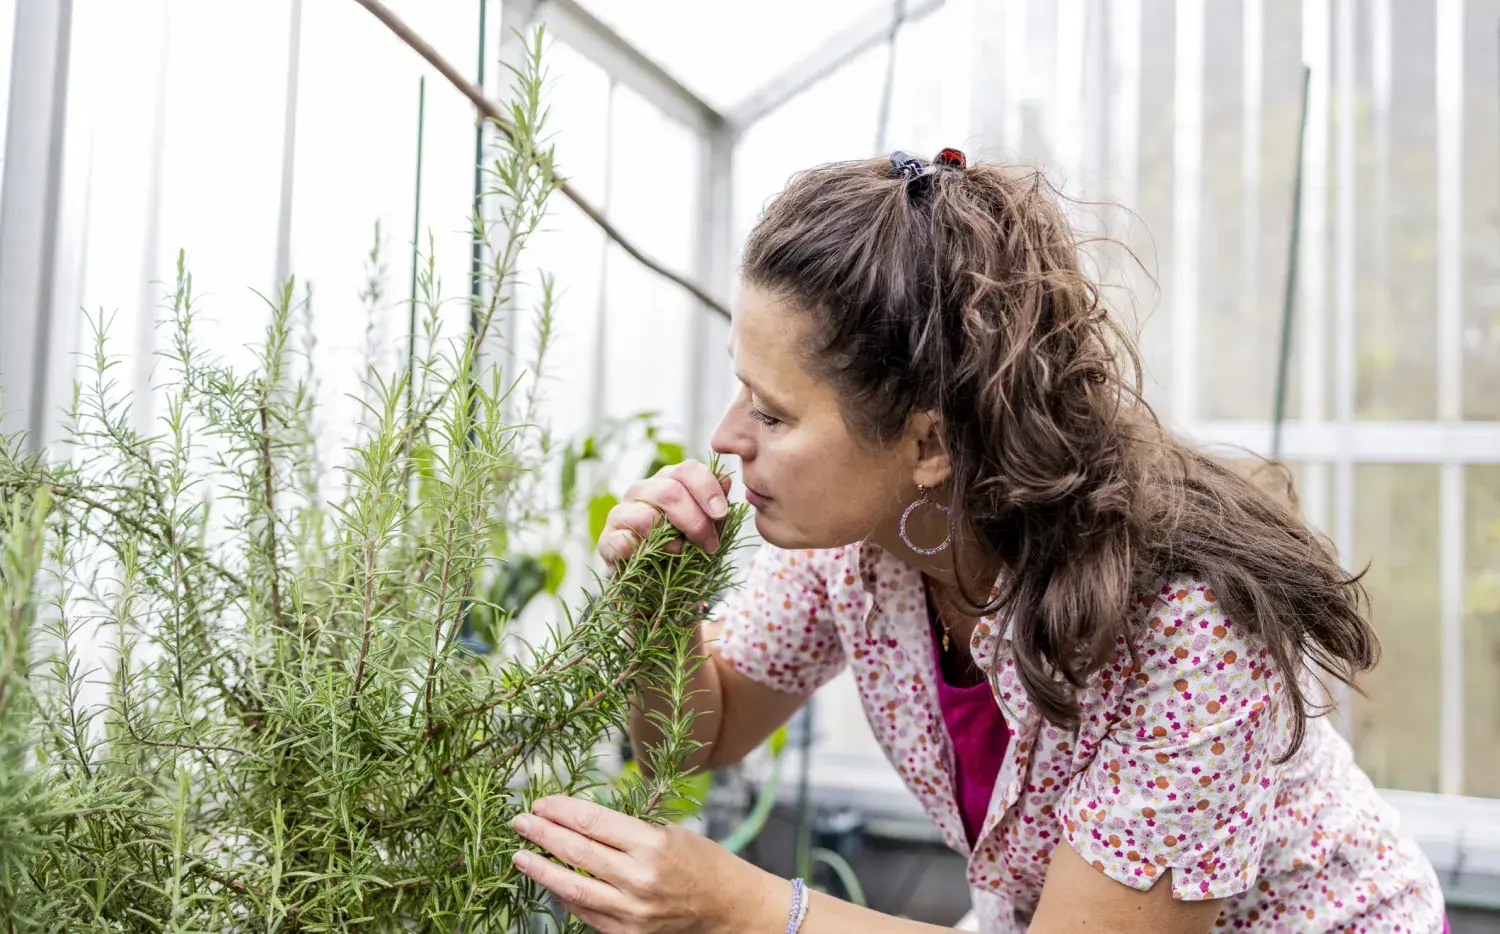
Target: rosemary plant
x=231 y=693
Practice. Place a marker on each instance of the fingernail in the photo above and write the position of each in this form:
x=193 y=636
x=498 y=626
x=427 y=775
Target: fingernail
x=523 y=823
x=718 y=507
x=524 y=861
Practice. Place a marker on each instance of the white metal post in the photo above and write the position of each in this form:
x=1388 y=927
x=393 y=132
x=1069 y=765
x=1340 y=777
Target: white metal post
x=1345 y=240
x=1125 y=121
x=1312 y=304
x=289 y=148
x=36 y=123
x=1252 y=95
x=1187 y=208
x=1450 y=161
x=707 y=394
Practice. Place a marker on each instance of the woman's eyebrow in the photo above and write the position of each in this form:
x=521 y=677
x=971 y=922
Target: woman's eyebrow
x=769 y=398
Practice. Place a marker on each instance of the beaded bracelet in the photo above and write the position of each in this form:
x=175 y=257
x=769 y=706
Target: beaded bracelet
x=799 y=907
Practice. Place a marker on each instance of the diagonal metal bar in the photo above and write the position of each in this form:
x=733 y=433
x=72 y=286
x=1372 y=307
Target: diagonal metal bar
x=838 y=51
x=492 y=112
x=570 y=22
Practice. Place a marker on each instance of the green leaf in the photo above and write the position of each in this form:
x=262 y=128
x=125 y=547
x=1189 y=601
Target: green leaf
x=669 y=452
x=590 y=449
x=599 y=508
x=569 y=474
x=557 y=569
x=517 y=582
x=777 y=742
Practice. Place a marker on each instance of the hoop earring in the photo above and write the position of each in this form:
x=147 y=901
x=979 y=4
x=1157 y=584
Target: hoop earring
x=923 y=501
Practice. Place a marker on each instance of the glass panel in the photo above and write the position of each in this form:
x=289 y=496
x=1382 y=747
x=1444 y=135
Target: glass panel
x=1396 y=535
x=646 y=326
x=356 y=166
x=220 y=159
x=1481 y=269
x=1482 y=633
x=1396 y=353
x=570 y=246
x=834 y=119
x=724 y=51
x=930 y=105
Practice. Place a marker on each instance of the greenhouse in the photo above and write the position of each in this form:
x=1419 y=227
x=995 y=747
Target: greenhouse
x=373 y=374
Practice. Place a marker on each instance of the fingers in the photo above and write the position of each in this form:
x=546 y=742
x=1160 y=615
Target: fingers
x=579 y=891
x=680 y=505
x=708 y=490
x=597 y=822
x=574 y=848
x=688 y=495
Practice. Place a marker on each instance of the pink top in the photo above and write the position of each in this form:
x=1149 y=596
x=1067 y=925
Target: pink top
x=979 y=735
x=1172 y=765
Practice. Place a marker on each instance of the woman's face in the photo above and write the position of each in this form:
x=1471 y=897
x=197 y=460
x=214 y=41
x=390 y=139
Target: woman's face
x=812 y=483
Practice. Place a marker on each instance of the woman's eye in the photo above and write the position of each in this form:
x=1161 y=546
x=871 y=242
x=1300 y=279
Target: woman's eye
x=770 y=421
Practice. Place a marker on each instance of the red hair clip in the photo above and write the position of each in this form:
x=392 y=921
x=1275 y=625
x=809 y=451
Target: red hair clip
x=951 y=157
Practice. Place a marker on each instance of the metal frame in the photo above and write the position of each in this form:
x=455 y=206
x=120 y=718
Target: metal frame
x=868 y=33
x=1187 y=202
x=1449 y=56
x=32 y=182
x=707 y=396
x=568 y=21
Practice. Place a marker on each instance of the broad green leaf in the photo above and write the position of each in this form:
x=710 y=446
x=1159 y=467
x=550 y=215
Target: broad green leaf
x=599 y=508
x=557 y=569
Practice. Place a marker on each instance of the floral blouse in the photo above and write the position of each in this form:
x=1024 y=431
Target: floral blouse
x=1173 y=764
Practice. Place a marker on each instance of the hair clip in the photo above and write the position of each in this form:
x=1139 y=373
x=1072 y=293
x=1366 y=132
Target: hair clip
x=907 y=165
x=953 y=158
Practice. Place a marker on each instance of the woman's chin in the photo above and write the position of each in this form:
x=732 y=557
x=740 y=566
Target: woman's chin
x=774 y=533
x=784 y=537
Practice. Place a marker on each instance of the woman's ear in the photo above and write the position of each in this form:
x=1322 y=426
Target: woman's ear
x=930 y=466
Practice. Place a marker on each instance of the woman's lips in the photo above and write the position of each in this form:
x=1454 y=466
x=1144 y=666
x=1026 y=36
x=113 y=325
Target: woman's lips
x=755 y=499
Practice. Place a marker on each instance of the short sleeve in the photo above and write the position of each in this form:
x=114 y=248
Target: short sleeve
x=778 y=627
x=1186 y=777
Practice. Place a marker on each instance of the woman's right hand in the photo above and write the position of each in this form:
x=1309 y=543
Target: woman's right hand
x=687 y=495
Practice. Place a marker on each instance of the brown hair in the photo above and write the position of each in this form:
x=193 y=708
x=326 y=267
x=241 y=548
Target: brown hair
x=960 y=291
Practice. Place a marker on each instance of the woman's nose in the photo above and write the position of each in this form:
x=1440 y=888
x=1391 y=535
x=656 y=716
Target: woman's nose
x=729 y=437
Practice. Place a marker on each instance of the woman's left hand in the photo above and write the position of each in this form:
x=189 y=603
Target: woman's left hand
x=643 y=878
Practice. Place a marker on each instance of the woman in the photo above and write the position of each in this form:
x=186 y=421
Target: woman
x=1089 y=650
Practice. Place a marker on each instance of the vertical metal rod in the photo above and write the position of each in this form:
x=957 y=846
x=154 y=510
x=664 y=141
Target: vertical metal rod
x=1289 y=295
x=476 y=257
x=888 y=91
x=1346 y=309
x=600 y=368
x=416 y=243
x=476 y=260
x=1187 y=207
x=289 y=148
x=1449 y=56
x=1252 y=96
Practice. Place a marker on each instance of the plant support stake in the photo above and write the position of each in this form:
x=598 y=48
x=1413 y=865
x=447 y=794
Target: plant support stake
x=488 y=108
